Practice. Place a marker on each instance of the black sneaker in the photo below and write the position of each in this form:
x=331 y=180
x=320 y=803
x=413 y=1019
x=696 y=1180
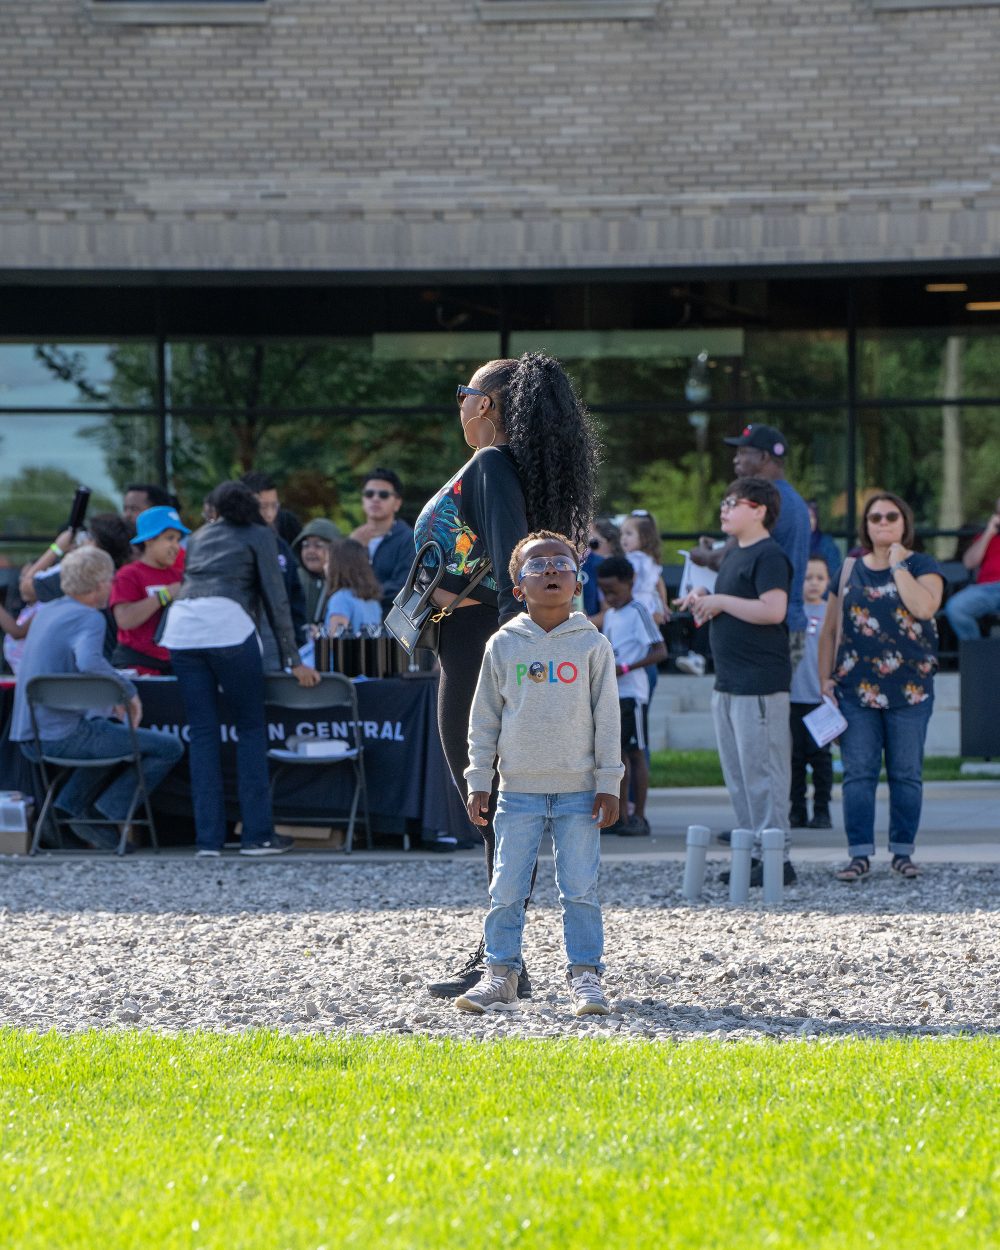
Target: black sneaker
x=471 y=974
x=821 y=819
x=757 y=873
x=276 y=844
x=726 y=836
x=465 y=978
x=798 y=818
x=635 y=827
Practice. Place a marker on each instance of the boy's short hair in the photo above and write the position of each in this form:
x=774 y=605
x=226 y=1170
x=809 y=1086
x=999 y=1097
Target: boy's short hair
x=515 y=556
x=616 y=566
x=818 y=559
x=759 y=491
x=379 y=474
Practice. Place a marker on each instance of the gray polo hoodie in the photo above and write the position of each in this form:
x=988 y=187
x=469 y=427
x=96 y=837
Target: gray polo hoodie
x=547 y=705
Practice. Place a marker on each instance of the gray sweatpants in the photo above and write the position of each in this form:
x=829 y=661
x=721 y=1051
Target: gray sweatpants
x=755 y=750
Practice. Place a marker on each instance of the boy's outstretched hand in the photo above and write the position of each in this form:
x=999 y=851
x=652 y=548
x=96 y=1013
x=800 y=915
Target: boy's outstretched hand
x=605 y=809
x=477 y=806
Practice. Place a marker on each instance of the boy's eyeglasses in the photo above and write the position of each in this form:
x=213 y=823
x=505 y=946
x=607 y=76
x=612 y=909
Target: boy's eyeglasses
x=463 y=391
x=731 y=501
x=378 y=494
x=594 y=543
x=890 y=518
x=539 y=564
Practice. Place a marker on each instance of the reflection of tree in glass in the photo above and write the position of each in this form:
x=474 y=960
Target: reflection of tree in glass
x=234 y=406
x=38 y=500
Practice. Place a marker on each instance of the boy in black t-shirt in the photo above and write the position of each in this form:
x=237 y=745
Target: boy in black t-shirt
x=753 y=670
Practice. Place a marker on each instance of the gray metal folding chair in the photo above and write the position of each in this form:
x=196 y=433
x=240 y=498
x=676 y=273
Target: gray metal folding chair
x=83 y=692
x=334 y=690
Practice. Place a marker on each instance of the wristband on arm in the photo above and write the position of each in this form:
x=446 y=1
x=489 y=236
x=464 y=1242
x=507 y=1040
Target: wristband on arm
x=164 y=597
x=625 y=668
x=56 y=550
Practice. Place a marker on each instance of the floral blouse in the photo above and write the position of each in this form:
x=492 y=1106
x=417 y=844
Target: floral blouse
x=887 y=658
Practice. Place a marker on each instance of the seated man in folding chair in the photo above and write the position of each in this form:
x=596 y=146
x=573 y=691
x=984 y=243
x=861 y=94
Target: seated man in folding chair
x=67 y=636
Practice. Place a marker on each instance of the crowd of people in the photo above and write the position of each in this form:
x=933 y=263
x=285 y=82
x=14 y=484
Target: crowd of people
x=549 y=648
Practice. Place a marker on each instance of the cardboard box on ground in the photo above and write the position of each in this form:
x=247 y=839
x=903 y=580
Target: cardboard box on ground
x=332 y=837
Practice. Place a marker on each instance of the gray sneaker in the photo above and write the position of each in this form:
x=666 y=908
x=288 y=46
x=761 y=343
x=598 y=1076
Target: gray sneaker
x=586 y=993
x=496 y=991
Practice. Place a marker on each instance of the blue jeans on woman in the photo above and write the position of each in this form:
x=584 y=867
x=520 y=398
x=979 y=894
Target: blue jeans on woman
x=240 y=674
x=520 y=821
x=900 y=733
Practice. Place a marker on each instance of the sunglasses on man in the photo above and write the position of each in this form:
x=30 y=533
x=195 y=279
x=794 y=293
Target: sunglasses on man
x=371 y=493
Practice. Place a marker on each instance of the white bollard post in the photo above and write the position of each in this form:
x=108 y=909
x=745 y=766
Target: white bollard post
x=772 y=842
x=741 y=844
x=694 y=864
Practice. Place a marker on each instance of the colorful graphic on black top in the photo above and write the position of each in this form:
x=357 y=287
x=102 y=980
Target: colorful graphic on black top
x=440 y=520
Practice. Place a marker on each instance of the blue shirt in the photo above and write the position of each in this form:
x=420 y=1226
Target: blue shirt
x=65 y=637
x=792 y=533
x=359 y=612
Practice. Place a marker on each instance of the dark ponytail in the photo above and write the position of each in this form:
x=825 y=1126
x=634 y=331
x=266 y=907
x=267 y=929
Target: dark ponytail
x=236 y=504
x=551 y=438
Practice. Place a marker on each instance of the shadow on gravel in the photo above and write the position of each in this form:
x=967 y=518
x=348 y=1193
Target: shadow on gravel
x=700 y=1020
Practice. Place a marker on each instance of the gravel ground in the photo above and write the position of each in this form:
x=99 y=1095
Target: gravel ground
x=317 y=946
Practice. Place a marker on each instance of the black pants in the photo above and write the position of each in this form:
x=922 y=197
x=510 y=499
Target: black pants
x=464 y=636
x=806 y=754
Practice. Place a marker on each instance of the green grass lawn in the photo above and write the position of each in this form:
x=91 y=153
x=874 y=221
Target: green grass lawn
x=129 y=1139
x=701 y=768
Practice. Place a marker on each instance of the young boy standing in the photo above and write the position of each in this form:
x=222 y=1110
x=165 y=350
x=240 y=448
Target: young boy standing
x=546 y=710
x=753 y=671
x=805 y=696
x=638 y=645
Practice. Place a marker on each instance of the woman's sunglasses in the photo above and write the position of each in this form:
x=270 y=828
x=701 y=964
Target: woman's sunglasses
x=890 y=518
x=463 y=391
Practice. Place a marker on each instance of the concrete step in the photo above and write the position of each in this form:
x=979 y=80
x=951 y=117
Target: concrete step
x=680 y=715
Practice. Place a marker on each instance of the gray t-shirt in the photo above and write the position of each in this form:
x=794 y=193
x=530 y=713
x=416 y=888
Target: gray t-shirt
x=805 y=679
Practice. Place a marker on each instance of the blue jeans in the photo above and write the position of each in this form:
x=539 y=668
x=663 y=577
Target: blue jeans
x=520 y=821
x=899 y=732
x=964 y=609
x=100 y=739
x=240 y=674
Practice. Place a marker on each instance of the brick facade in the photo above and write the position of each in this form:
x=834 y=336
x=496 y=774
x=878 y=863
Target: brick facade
x=342 y=135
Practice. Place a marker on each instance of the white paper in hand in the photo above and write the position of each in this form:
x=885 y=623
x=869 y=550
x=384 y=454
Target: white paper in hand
x=825 y=722
x=694 y=575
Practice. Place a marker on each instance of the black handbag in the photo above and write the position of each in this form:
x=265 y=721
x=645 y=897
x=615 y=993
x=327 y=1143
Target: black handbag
x=414 y=620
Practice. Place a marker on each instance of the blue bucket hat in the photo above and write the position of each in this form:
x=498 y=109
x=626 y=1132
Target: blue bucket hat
x=152 y=523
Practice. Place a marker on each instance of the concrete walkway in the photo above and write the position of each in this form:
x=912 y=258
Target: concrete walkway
x=960 y=824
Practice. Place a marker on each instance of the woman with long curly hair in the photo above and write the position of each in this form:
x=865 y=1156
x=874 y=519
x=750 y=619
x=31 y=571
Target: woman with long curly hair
x=534 y=467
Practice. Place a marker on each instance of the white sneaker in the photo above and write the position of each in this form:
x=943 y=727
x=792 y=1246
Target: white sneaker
x=496 y=991
x=692 y=663
x=205 y=853
x=587 y=994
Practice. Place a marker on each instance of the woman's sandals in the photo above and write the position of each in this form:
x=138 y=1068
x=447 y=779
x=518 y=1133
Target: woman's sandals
x=904 y=867
x=859 y=867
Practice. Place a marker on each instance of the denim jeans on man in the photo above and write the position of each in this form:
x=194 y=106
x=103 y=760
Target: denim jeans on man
x=520 y=821
x=101 y=739
x=240 y=674
x=965 y=609
x=900 y=732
